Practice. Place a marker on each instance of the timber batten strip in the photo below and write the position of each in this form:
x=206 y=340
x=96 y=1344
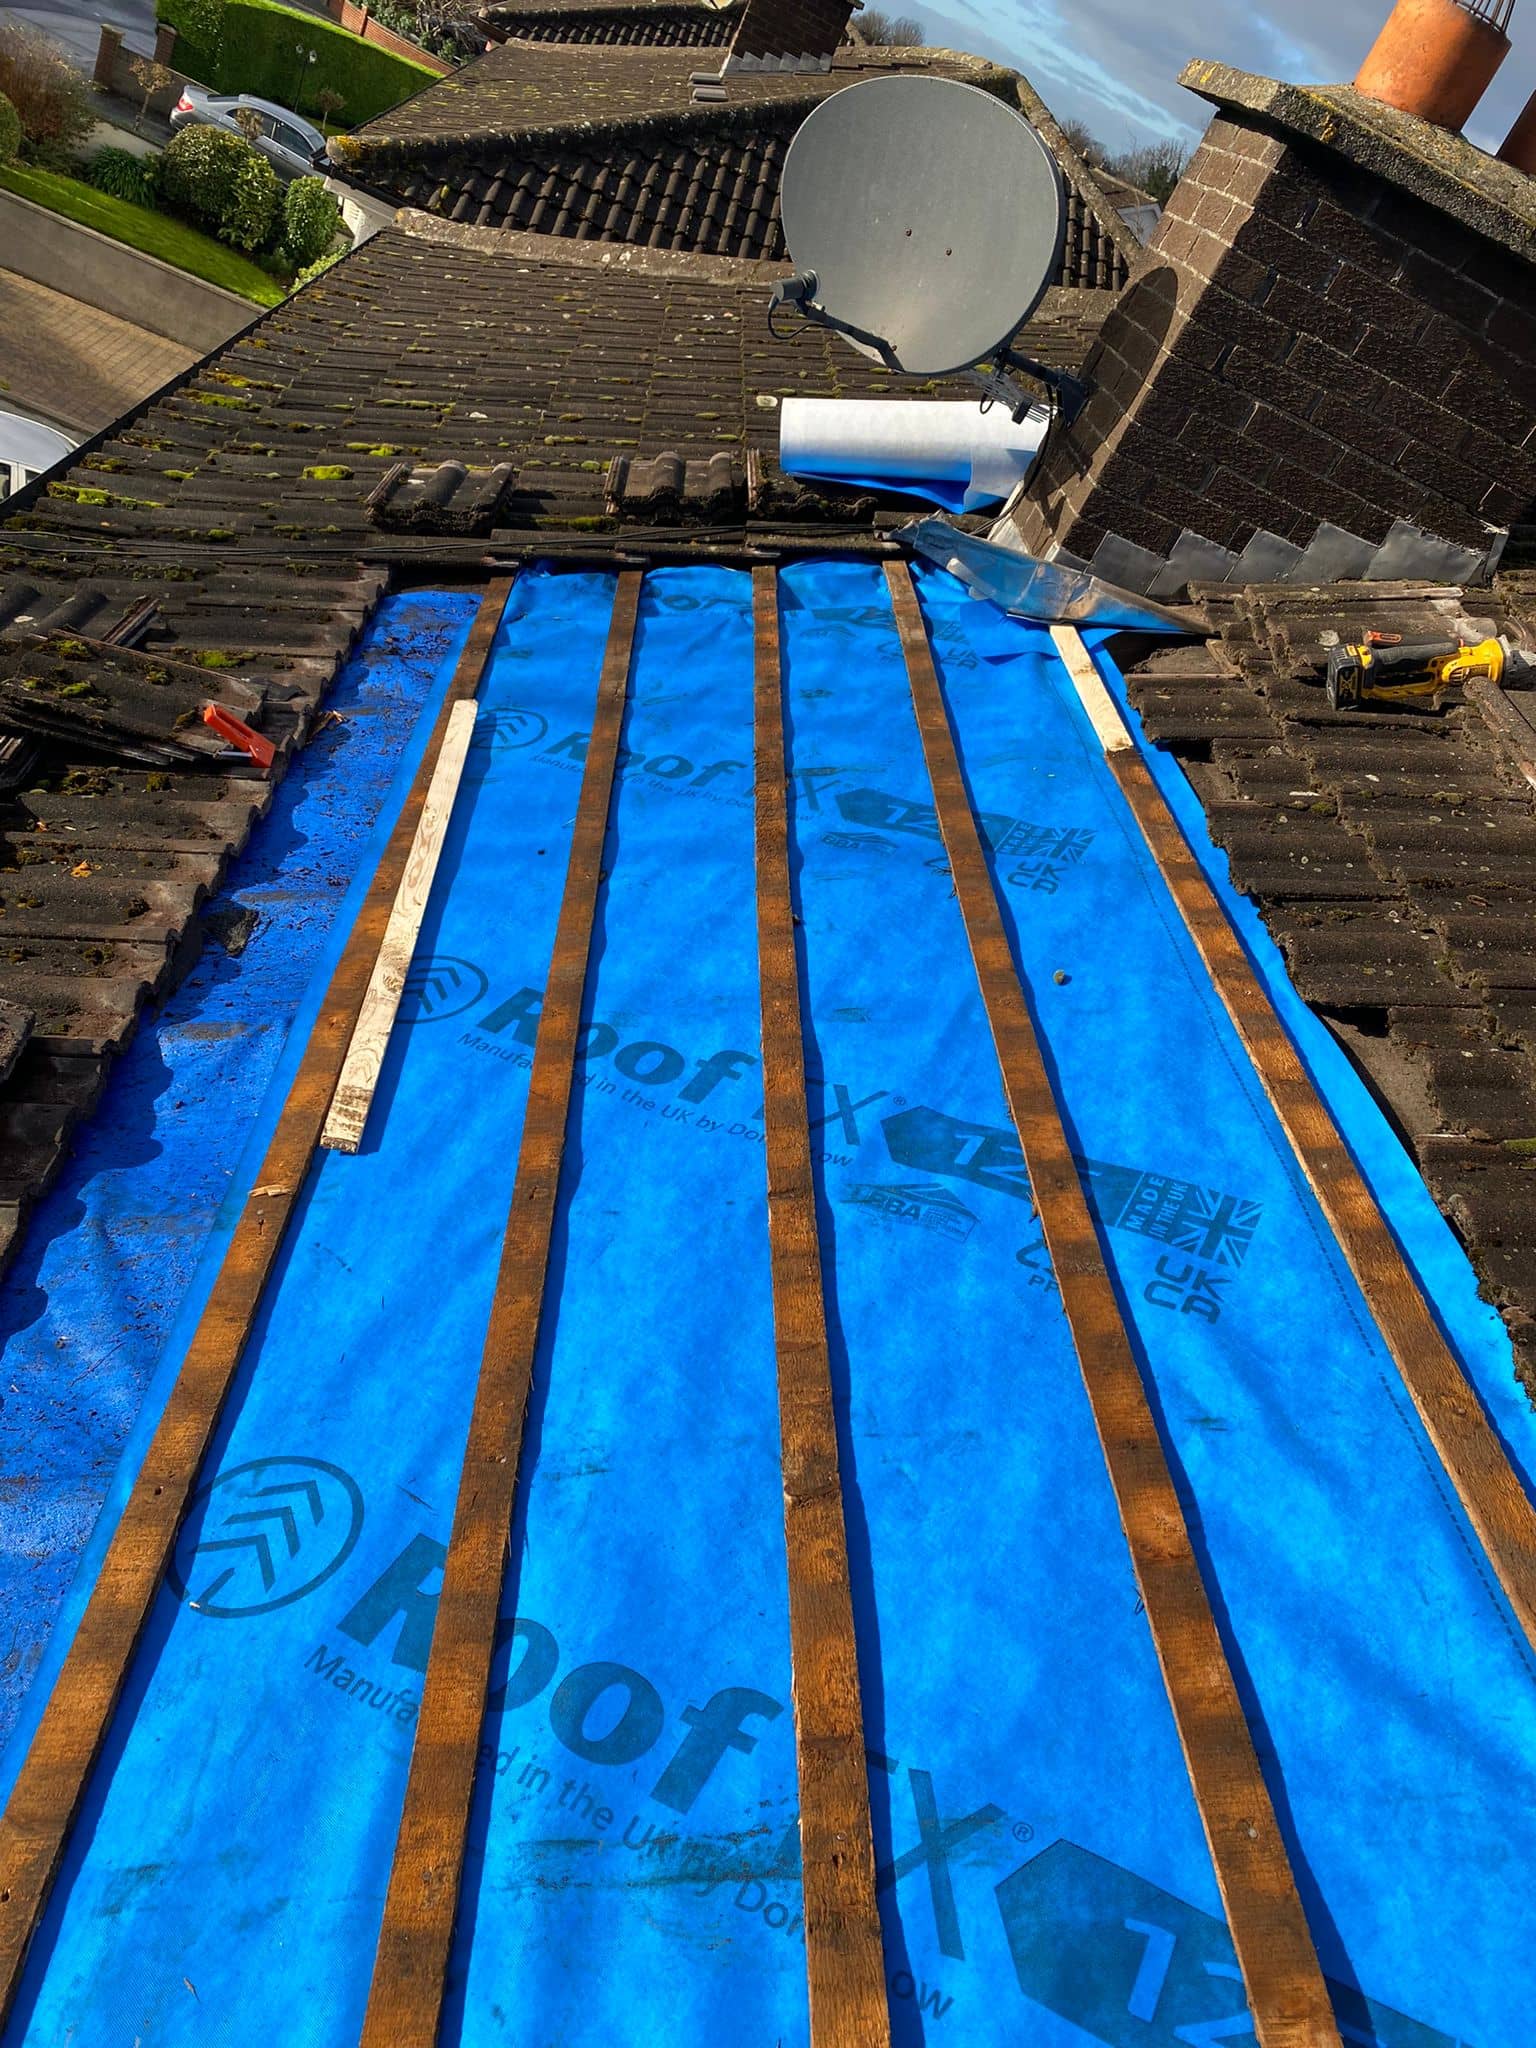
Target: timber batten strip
x=51 y=1785
x=364 y=1063
x=1287 y=1997
x=1464 y=1439
x=844 y=1959
x=416 y=1937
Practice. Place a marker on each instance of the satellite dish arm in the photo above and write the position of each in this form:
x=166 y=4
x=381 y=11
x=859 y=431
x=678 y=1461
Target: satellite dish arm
x=1068 y=394
x=800 y=292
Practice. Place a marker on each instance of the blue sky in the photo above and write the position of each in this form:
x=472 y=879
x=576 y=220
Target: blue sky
x=1112 y=63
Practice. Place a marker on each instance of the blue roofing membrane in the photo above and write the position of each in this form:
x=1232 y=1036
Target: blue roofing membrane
x=634 y=1872
x=88 y=1305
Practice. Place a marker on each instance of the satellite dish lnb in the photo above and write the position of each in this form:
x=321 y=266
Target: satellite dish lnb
x=926 y=220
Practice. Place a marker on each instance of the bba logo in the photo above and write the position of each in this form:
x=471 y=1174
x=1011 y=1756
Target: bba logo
x=923 y=1203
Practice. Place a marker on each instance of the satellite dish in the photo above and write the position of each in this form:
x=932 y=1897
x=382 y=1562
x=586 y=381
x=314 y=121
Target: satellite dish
x=925 y=219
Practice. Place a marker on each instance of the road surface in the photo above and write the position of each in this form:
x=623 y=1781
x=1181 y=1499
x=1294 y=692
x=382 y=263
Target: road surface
x=78 y=28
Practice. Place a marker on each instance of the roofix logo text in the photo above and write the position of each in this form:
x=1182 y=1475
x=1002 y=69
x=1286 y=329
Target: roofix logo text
x=1131 y=1964
x=653 y=1063
x=678 y=771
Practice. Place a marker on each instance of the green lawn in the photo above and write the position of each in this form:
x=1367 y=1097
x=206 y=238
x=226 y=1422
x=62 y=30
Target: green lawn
x=157 y=235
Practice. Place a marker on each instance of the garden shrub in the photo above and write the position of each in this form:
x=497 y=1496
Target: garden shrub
x=318 y=269
x=220 y=182
x=431 y=26
x=311 y=218
x=122 y=175
x=256 y=204
x=51 y=98
x=10 y=131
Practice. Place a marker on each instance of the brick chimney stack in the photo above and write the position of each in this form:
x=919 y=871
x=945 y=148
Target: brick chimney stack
x=1334 y=327
x=788 y=35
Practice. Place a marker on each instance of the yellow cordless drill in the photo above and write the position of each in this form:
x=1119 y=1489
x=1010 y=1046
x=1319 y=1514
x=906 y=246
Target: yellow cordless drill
x=1385 y=669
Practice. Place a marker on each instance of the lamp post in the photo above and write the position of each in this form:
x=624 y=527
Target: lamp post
x=304 y=54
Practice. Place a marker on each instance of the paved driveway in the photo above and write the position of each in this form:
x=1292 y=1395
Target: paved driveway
x=78 y=27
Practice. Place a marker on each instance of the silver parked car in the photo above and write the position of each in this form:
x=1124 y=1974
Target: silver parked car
x=288 y=142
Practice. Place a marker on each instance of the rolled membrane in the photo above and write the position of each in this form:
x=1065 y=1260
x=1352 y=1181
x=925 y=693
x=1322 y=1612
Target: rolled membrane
x=947 y=451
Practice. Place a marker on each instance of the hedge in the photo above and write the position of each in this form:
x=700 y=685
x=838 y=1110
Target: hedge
x=234 y=46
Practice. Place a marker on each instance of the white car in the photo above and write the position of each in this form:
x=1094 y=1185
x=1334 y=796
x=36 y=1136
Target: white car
x=27 y=448
x=288 y=142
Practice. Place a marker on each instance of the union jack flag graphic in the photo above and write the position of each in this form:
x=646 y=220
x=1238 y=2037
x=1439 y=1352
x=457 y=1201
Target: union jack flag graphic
x=1215 y=1226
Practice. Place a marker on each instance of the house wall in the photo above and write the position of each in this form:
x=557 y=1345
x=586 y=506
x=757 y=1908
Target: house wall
x=362 y=23
x=114 y=68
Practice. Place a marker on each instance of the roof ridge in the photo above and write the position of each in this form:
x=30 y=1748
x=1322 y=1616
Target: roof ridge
x=1078 y=172
x=746 y=103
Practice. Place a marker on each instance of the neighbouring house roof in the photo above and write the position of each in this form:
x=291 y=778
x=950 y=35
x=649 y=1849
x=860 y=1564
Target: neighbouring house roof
x=709 y=191
x=713 y=186
x=546 y=91
x=677 y=24
x=1122 y=195
x=544 y=141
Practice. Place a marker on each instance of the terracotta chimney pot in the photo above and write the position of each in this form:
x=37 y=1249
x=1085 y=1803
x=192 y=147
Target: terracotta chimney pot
x=1433 y=58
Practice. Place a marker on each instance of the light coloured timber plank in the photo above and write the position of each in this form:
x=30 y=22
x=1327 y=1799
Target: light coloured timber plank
x=370 y=1041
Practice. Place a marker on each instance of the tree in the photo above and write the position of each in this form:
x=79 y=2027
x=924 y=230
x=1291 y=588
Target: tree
x=220 y=183
x=311 y=221
x=1084 y=141
x=895 y=30
x=153 y=78
x=1153 y=167
x=328 y=101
